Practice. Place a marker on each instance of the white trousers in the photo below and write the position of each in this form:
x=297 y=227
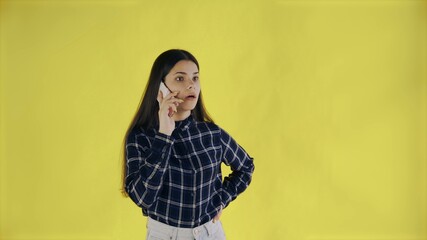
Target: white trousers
x=209 y=231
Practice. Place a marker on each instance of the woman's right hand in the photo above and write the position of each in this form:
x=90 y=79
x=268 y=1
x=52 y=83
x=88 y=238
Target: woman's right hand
x=166 y=121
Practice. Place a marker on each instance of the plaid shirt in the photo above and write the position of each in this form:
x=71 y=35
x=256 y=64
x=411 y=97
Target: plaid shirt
x=177 y=179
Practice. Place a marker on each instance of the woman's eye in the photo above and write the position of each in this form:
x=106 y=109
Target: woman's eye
x=179 y=78
x=196 y=78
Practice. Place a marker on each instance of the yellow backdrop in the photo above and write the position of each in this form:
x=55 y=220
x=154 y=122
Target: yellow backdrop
x=329 y=97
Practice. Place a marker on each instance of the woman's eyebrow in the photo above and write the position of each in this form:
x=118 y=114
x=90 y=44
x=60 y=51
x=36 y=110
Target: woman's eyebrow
x=185 y=73
x=181 y=73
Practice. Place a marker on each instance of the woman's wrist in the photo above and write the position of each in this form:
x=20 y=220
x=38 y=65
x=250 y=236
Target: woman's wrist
x=166 y=132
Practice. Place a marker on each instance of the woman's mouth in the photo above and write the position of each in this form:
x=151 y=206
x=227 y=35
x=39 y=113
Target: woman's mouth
x=190 y=97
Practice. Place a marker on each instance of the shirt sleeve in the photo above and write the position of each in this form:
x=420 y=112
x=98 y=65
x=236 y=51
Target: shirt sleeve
x=146 y=163
x=241 y=165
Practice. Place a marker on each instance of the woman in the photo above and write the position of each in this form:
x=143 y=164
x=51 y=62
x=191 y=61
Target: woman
x=173 y=153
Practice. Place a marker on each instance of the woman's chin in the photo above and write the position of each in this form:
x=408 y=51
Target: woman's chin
x=187 y=107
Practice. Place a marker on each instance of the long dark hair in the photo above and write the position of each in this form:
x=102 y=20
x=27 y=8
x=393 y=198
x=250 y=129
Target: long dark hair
x=147 y=114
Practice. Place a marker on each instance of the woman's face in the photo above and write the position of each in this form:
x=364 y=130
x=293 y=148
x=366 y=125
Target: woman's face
x=184 y=79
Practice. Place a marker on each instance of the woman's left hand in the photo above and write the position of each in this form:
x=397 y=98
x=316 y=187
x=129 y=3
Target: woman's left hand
x=216 y=218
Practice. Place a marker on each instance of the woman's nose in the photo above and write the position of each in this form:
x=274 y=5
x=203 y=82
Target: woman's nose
x=190 y=85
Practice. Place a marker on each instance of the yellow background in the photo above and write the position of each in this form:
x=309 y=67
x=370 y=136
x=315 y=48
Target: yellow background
x=329 y=97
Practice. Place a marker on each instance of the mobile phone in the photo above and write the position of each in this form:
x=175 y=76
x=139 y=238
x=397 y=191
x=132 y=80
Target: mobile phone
x=164 y=89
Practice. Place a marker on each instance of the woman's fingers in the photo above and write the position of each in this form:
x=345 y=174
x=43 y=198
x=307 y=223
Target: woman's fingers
x=171 y=95
x=174 y=102
x=171 y=103
x=172 y=106
x=161 y=97
x=167 y=107
x=216 y=218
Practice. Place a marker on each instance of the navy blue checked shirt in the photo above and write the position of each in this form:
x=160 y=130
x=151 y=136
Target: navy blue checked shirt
x=177 y=179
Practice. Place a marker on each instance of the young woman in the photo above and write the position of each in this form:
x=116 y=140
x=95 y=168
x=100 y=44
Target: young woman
x=173 y=152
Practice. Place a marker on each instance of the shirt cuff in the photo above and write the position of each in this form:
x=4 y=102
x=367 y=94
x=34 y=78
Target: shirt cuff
x=163 y=137
x=226 y=198
x=162 y=142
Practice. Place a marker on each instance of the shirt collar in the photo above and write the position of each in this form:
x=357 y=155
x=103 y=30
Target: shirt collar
x=184 y=124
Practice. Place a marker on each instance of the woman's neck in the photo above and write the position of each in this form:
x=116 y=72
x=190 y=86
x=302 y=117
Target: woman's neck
x=179 y=116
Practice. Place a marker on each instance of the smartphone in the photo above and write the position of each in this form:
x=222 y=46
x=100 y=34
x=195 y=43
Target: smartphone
x=164 y=89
